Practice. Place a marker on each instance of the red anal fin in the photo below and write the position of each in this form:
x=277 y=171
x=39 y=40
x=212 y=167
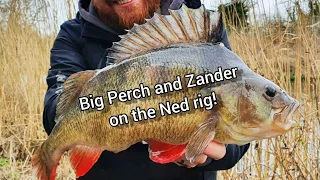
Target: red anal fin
x=162 y=153
x=83 y=158
x=53 y=173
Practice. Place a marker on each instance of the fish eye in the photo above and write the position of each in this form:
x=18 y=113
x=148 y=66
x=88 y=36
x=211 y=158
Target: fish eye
x=270 y=91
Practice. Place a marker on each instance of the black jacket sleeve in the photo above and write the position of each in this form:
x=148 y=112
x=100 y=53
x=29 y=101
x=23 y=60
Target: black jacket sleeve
x=233 y=154
x=65 y=60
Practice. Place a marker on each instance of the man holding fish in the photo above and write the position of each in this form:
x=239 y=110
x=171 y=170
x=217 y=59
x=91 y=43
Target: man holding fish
x=81 y=45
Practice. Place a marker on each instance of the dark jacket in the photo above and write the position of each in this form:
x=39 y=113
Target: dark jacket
x=82 y=45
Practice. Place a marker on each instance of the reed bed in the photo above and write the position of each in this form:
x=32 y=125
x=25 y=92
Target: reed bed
x=289 y=56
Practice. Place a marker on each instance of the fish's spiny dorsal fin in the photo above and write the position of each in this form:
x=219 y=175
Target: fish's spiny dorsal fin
x=181 y=26
x=71 y=90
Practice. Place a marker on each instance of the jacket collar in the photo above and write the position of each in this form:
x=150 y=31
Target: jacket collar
x=91 y=31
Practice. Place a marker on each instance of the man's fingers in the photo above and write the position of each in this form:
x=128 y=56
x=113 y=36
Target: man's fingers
x=201 y=159
x=191 y=165
x=178 y=163
x=215 y=150
x=184 y=162
x=221 y=44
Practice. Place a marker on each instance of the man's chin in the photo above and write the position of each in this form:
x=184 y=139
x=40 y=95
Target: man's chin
x=137 y=15
x=127 y=23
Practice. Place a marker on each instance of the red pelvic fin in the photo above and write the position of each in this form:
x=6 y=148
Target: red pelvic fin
x=83 y=158
x=160 y=152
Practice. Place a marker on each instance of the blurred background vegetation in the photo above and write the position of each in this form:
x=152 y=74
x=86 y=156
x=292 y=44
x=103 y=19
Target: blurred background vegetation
x=284 y=49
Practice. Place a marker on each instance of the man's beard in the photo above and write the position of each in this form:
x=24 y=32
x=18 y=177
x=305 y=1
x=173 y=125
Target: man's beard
x=120 y=20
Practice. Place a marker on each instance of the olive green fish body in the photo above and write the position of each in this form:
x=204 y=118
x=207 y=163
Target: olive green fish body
x=176 y=48
x=173 y=129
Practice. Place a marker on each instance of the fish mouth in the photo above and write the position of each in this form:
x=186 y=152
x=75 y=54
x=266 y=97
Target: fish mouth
x=283 y=116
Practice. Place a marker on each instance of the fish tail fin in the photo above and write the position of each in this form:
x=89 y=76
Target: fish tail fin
x=44 y=165
x=83 y=158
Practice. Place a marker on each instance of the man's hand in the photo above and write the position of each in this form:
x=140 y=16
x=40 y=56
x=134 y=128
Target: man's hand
x=214 y=150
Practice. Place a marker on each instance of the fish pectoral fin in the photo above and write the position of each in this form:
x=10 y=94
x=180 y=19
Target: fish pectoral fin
x=162 y=153
x=83 y=158
x=201 y=139
x=71 y=90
